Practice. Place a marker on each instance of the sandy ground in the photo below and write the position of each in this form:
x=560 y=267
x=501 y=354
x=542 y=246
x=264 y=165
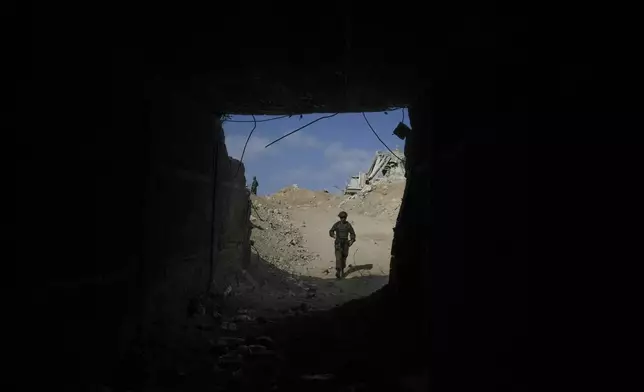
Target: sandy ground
x=293 y=260
x=311 y=214
x=372 y=247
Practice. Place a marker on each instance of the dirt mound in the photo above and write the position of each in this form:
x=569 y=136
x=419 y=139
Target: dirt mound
x=275 y=237
x=293 y=196
x=380 y=199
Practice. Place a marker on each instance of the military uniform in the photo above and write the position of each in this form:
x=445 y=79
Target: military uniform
x=253 y=186
x=344 y=237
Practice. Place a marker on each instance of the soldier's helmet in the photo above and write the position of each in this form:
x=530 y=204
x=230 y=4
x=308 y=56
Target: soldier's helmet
x=342 y=214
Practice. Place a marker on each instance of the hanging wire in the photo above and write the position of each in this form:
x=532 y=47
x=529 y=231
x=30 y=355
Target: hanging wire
x=244 y=150
x=383 y=143
x=300 y=128
x=259 y=121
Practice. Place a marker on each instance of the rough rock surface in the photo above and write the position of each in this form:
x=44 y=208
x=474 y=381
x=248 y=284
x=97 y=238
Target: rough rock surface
x=379 y=199
x=276 y=238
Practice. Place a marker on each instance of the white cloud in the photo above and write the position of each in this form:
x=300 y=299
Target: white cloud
x=302 y=140
x=347 y=161
x=254 y=149
x=307 y=174
x=341 y=163
x=312 y=174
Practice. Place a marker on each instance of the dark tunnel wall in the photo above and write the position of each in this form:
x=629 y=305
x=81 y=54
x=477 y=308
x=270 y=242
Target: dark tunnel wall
x=528 y=196
x=114 y=201
x=178 y=203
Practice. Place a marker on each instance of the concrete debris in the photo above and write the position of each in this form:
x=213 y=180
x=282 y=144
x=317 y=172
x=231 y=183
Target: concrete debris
x=256 y=348
x=243 y=318
x=375 y=199
x=229 y=341
x=265 y=341
x=228 y=291
x=385 y=166
x=230 y=359
x=318 y=377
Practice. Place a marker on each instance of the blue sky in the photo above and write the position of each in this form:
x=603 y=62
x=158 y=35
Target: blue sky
x=320 y=156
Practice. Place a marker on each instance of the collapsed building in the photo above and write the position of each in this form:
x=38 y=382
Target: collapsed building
x=385 y=164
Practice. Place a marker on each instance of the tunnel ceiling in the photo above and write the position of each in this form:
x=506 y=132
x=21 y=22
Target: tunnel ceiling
x=272 y=58
x=327 y=88
x=335 y=63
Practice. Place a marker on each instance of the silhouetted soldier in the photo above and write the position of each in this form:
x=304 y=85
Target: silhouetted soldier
x=254 y=185
x=341 y=231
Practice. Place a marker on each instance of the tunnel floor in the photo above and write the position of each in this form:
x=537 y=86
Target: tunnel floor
x=269 y=327
x=227 y=345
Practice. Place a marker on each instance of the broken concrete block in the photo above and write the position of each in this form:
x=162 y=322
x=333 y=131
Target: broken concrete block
x=318 y=377
x=243 y=318
x=228 y=291
x=229 y=341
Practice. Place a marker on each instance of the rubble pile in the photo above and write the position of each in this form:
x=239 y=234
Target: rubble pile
x=276 y=238
x=380 y=198
x=294 y=196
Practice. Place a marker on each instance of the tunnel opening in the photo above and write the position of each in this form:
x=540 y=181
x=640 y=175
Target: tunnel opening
x=288 y=256
x=231 y=295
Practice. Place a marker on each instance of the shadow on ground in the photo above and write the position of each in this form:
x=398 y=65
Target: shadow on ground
x=352 y=342
x=312 y=334
x=275 y=286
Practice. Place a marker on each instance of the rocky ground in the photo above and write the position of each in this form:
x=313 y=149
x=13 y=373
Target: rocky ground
x=291 y=233
x=276 y=237
x=379 y=199
x=244 y=329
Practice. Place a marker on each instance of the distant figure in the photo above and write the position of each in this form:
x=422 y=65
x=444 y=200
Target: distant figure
x=341 y=231
x=254 y=185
